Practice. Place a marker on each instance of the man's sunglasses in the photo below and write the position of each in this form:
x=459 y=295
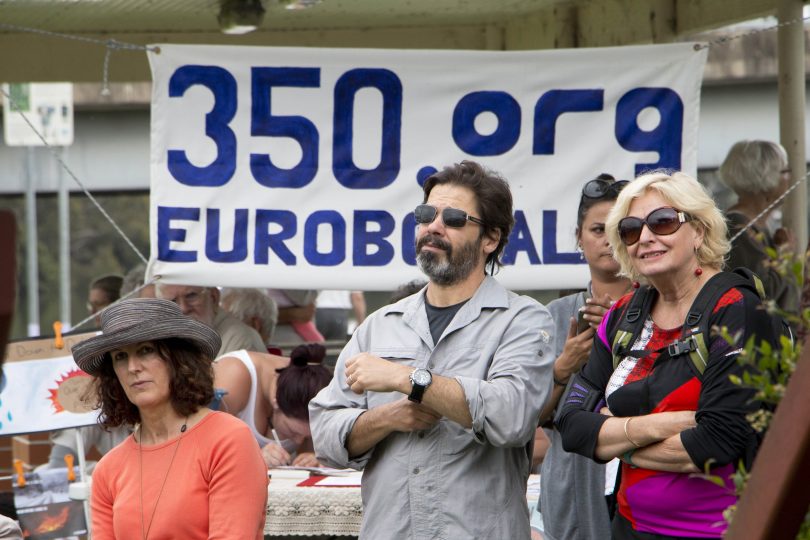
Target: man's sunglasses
x=598 y=188
x=451 y=217
x=661 y=221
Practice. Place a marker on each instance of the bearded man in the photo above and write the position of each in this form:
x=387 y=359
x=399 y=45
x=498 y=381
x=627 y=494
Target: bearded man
x=437 y=397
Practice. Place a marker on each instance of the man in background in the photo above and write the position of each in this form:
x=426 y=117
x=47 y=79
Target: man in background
x=253 y=307
x=103 y=292
x=202 y=304
x=332 y=310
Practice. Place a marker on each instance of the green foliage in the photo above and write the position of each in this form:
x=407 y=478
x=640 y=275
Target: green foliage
x=95 y=249
x=769 y=374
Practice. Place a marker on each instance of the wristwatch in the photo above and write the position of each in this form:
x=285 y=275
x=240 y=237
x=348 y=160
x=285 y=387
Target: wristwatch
x=420 y=380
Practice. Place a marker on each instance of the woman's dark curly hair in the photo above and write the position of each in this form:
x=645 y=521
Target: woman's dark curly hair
x=191 y=384
x=298 y=383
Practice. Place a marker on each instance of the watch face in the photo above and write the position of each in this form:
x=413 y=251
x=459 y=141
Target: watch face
x=421 y=377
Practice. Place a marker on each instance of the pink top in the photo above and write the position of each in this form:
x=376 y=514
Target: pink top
x=216 y=487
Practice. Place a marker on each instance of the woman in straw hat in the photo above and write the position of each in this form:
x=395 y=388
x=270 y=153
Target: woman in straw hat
x=186 y=471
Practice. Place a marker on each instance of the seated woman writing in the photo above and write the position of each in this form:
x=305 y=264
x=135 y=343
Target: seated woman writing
x=271 y=393
x=186 y=471
x=667 y=416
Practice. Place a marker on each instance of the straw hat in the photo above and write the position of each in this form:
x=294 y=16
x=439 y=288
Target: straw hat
x=143 y=319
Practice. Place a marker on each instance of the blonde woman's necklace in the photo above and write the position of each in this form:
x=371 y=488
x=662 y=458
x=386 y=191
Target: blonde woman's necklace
x=144 y=528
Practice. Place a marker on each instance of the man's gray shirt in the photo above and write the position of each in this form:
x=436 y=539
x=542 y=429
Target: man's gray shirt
x=448 y=481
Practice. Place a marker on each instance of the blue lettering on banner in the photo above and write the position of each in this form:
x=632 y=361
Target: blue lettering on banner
x=666 y=138
x=166 y=234
x=223 y=85
x=266 y=241
x=503 y=106
x=240 y=228
x=337 y=225
x=343 y=166
x=371 y=232
x=409 y=239
x=363 y=238
x=550 y=253
x=264 y=123
x=552 y=105
x=520 y=239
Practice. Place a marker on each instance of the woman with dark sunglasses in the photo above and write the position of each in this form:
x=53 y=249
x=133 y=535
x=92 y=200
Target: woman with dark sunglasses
x=648 y=405
x=572 y=492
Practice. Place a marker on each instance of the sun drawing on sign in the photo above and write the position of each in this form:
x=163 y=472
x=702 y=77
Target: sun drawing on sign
x=67 y=396
x=53 y=523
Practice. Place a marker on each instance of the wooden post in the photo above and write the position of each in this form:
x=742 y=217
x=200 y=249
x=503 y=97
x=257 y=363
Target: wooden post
x=778 y=493
x=8 y=275
x=8 y=289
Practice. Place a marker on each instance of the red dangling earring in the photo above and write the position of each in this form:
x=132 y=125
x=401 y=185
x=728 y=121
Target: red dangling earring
x=698 y=271
x=636 y=284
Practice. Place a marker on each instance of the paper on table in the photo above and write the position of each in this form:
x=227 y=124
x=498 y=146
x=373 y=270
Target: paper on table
x=320 y=471
x=351 y=480
x=291 y=473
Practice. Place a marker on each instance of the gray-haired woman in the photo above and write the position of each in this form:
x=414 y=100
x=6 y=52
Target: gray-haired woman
x=758 y=173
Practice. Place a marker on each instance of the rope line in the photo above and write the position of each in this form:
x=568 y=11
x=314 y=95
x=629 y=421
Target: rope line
x=64 y=165
x=109 y=43
x=769 y=207
x=89 y=318
x=726 y=39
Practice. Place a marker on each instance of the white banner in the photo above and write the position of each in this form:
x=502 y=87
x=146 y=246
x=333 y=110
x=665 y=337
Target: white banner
x=301 y=167
x=43 y=388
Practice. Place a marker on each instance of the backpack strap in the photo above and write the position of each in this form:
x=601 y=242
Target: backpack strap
x=696 y=331
x=695 y=334
x=631 y=322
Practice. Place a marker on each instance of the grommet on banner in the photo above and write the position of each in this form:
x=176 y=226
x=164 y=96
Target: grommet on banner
x=58 y=342
x=18 y=467
x=71 y=474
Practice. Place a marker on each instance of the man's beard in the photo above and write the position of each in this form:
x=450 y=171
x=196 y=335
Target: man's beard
x=453 y=267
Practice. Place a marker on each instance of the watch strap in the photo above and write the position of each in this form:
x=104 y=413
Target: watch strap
x=417 y=391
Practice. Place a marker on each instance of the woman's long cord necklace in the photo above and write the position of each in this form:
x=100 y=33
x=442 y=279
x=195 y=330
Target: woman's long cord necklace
x=144 y=528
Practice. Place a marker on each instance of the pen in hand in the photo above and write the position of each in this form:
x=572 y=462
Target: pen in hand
x=278 y=442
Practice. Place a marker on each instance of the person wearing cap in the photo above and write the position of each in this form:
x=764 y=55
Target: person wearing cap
x=186 y=471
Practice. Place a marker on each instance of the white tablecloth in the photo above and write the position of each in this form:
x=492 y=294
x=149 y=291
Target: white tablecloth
x=312 y=511
x=332 y=511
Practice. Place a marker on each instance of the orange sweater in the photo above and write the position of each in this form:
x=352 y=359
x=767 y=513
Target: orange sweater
x=216 y=488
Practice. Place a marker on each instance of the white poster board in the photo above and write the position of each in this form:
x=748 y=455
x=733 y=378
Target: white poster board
x=43 y=387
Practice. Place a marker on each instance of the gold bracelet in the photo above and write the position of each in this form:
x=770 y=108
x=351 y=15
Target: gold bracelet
x=626 y=434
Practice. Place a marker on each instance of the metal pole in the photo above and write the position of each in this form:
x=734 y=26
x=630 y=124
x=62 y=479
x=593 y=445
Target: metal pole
x=31 y=246
x=792 y=113
x=64 y=247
